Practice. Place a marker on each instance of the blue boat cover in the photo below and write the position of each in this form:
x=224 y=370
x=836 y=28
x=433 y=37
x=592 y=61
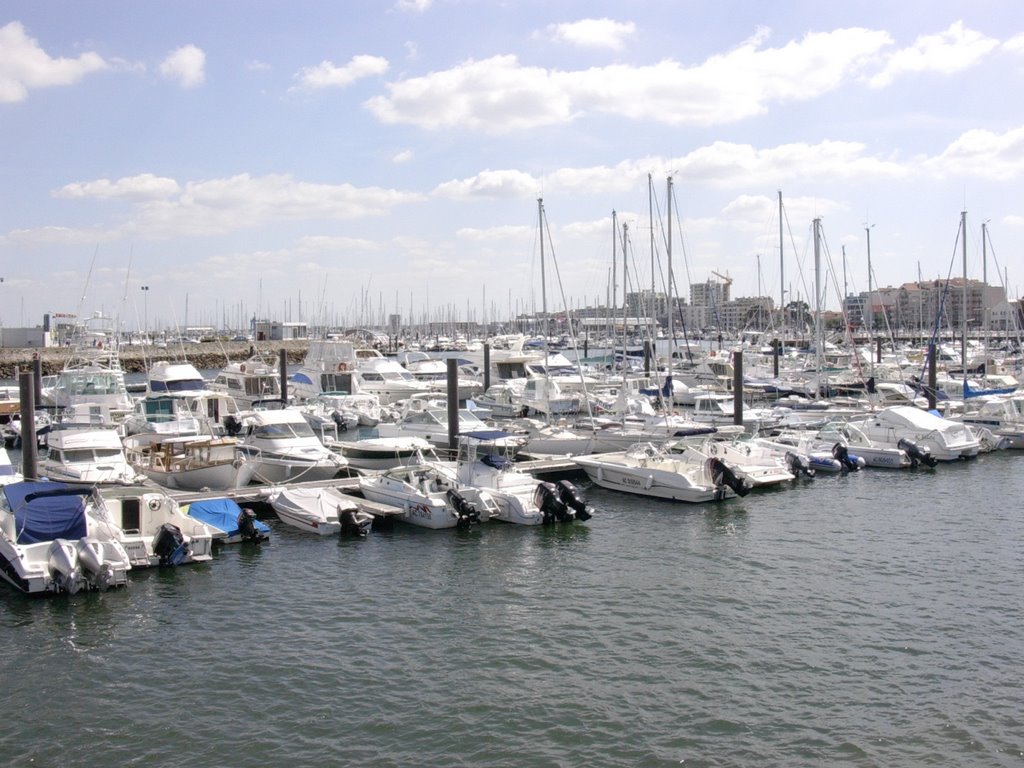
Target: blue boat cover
x=222 y=514
x=44 y=511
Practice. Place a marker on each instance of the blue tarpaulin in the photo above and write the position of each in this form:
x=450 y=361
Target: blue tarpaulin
x=44 y=511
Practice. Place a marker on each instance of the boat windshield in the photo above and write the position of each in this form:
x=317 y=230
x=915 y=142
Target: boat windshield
x=279 y=431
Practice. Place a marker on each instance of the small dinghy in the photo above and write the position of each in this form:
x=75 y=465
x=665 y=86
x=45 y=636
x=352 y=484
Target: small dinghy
x=231 y=523
x=324 y=511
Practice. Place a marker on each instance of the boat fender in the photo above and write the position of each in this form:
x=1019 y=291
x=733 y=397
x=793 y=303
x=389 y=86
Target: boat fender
x=570 y=496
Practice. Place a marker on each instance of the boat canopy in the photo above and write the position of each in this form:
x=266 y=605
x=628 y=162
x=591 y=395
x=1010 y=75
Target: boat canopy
x=44 y=511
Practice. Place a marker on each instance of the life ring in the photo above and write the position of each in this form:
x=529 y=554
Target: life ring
x=342 y=367
x=242 y=368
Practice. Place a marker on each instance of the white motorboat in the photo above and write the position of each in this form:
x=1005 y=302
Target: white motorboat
x=377 y=453
x=519 y=497
x=434 y=373
x=282 y=447
x=250 y=382
x=328 y=368
x=1002 y=414
x=429 y=495
x=389 y=381
x=323 y=511
x=50 y=542
x=648 y=470
x=920 y=432
x=92 y=374
x=189 y=463
x=87 y=454
x=427 y=417
x=758 y=465
x=156 y=531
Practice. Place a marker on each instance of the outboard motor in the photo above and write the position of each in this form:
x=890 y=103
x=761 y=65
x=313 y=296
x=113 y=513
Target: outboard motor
x=352 y=525
x=570 y=496
x=338 y=418
x=232 y=425
x=841 y=454
x=247 y=525
x=62 y=562
x=90 y=556
x=170 y=545
x=548 y=501
x=917 y=454
x=799 y=465
x=722 y=474
x=465 y=511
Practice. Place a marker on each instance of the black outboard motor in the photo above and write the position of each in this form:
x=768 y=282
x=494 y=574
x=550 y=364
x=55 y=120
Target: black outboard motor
x=247 y=525
x=799 y=465
x=338 y=419
x=169 y=545
x=546 y=497
x=351 y=525
x=232 y=425
x=841 y=454
x=917 y=454
x=570 y=496
x=722 y=474
x=466 y=512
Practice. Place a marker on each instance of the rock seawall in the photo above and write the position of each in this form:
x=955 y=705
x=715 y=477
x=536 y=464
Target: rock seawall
x=208 y=355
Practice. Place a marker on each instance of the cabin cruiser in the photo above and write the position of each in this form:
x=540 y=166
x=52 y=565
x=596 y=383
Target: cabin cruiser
x=434 y=372
x=92 y=373
x=427 y=417
x=187 y=462
x=389 y=381
x=328 y=368
x=178 y=402
x=915 y=430
x=378 y=453
x=282 y=447
x=759 y=466
x=250 y=382
x=87 y=454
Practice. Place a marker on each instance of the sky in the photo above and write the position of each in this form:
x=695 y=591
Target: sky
x=198 y=163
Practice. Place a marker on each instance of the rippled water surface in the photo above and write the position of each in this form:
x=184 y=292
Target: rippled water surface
x=875 y=619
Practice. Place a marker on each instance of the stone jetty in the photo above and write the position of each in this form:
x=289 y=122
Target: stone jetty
x=207 y=355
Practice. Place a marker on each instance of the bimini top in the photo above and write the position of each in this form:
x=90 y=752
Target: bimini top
x=44 y=511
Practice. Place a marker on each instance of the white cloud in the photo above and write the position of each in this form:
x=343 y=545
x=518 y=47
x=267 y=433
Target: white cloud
x=328 y=75
x=1015 y=43
x=402 y=157
x=594 y=33
x=59 y=236
x=490 y=234
x=951 y=51
x=983 y=154
x=499 y=95
x=255 y=65
x=185 y=65
x=417 y=6
x=24 y=65
x=145 y=186
x=490 y=184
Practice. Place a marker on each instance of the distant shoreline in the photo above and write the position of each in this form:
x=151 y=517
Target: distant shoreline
x=136 y=358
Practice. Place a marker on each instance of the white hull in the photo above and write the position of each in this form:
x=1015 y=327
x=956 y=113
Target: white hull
x=657 y=477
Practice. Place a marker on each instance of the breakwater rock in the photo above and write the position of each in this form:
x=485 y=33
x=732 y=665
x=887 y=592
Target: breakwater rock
x=137 y=359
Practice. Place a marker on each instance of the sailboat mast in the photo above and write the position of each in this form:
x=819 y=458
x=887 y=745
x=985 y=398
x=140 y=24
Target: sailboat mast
x=625 y=288
x=963 y=332
x=650 y=218
x=819 y=337
x=671 y=314
x=782 y=273
x=543 y=284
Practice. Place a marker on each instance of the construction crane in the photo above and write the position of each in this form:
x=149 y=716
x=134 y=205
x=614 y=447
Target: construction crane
x=728 y=280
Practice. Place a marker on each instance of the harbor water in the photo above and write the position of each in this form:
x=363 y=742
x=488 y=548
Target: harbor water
x=874 y=619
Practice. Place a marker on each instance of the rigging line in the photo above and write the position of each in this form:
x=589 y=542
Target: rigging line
x=940 y=310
